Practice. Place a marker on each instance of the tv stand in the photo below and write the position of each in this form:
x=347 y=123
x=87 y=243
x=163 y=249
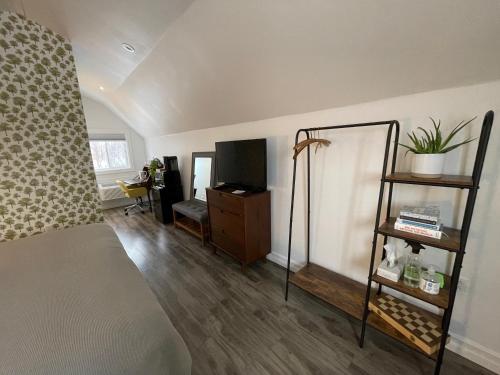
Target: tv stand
x=240 y=224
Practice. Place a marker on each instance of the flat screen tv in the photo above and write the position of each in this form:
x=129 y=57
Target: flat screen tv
x=242 y=164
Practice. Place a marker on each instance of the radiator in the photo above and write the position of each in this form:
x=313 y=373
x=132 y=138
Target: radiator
x=109 y=192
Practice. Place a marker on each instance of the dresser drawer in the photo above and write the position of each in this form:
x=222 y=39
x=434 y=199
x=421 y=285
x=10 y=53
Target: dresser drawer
x=229 y=221
x=226 y=201
x=226 y=241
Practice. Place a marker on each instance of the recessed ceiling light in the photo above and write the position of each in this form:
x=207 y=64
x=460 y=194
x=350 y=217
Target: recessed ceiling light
x=128 y=47
x=101 y=88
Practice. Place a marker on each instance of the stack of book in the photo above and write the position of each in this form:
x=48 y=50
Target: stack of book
x=423 y=221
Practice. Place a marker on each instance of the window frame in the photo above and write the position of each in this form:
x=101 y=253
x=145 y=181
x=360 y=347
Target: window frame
x=101 y=136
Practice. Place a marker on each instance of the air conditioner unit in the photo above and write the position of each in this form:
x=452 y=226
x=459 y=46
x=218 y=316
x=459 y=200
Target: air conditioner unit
x=109 y=192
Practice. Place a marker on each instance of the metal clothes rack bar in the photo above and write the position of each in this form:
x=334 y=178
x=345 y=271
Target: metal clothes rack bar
x=391 y=124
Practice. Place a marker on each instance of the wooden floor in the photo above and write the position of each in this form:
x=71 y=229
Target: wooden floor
x=239 y=323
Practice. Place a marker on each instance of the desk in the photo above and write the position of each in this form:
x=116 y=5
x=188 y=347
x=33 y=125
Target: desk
x=137 y=183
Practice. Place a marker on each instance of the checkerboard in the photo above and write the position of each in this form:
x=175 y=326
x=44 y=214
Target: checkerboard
x=422 y=328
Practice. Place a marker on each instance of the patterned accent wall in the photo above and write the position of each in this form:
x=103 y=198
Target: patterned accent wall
x=47 y=179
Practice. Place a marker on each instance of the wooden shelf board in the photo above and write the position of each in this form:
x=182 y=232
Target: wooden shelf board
x=462 y=182
x=450 y=240
x=189 y=225
x=440 y=300
x=337 y=290
x=345 y=294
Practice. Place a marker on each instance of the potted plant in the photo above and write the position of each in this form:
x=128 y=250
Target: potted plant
x=430 y=149
x=153 y=166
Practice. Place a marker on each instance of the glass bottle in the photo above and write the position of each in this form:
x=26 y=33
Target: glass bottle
x=412 y=271
x=430 y=283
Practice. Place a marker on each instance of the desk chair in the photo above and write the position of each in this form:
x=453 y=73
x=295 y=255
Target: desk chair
x=134 y=192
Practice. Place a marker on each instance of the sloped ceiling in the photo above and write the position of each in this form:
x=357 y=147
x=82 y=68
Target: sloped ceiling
x=204 y=63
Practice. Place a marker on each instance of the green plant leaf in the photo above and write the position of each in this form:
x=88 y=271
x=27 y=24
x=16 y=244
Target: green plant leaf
x=409 y=149
x=413 y=138
x=439 y=137
x=455 y=131
x=431 y=141
x=418 y=143
x=429 y=138
x=448 y=149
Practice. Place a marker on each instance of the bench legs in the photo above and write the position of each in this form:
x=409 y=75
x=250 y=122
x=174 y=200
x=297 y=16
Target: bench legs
x=202 y=227
x=190 y=227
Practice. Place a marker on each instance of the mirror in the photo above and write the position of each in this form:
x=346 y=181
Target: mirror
x=202 y=174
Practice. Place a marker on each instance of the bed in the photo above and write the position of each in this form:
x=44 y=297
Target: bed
x=72 y=302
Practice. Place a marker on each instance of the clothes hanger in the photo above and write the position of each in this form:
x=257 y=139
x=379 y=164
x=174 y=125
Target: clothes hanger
x=320 y=142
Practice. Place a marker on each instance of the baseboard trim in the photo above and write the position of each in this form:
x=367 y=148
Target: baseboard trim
x=475 y=352
x=462 y=346
x=281 y=260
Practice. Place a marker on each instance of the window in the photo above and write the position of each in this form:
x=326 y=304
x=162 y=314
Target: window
x=109 y=152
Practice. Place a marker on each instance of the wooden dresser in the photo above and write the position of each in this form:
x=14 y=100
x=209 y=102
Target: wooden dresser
x=240 y=224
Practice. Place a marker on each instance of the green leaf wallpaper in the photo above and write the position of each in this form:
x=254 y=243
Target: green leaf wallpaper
x=47 y=179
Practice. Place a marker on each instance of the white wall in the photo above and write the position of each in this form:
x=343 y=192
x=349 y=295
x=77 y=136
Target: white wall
x=100 y=119
x=346 y=180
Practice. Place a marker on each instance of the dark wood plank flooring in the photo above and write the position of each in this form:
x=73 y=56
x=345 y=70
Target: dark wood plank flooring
x=239 y=323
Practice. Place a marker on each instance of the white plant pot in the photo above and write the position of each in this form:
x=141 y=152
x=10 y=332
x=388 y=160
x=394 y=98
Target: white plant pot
x=427 y=165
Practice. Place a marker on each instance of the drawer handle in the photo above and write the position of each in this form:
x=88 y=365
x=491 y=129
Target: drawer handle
x=223 y=232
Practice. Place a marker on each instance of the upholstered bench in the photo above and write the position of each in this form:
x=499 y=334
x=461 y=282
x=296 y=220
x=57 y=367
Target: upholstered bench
x=192 y=216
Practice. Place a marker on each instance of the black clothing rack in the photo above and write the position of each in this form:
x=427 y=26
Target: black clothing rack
x=358 y=304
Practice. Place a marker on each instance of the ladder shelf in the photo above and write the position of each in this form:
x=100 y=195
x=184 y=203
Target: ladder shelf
x=352 y=297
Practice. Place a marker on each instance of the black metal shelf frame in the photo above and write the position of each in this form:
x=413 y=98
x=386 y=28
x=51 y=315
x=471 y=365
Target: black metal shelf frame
x=393 y=127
